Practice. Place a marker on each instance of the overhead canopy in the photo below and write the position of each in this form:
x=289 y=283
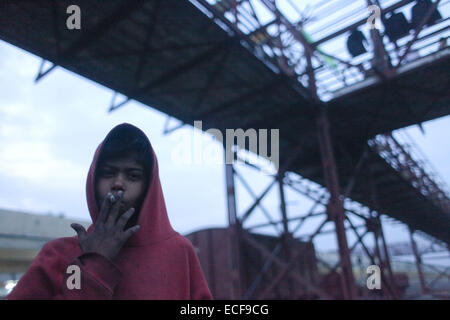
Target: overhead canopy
x=172 y=57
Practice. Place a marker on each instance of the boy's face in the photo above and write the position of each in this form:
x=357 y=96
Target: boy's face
x=121 y=174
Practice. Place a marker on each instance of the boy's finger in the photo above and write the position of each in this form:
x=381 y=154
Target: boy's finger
x=129 y=232
x=79 y=229
x=106 y=206
x=124 y=218
x=114 y=212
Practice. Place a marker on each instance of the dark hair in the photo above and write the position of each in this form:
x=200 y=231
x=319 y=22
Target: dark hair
x=127 y=141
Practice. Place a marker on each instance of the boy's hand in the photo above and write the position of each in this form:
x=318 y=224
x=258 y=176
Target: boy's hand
x=108 y=235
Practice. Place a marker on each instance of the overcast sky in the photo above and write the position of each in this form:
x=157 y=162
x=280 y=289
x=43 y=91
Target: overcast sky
x=50 y=130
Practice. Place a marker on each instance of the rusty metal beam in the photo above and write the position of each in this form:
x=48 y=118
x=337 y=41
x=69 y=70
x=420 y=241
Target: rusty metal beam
x=285 y=268
x=234 y=234
x=379 y=234
x=263 y=271
x=418 y=262
x=257 y=202
x=371 y=257
x=335 y=206
x=301 y=218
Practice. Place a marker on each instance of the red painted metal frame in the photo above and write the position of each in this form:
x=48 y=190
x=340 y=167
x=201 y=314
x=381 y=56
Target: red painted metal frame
x=337 y=206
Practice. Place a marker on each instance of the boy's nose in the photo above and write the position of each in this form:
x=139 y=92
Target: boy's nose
x=118 y=184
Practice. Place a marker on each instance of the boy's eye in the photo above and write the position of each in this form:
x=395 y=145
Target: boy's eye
x=107 y=173
x=135 y=175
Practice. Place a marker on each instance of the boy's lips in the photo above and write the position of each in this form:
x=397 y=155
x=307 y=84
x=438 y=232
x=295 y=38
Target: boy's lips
x=122 y=203
x=117 y=193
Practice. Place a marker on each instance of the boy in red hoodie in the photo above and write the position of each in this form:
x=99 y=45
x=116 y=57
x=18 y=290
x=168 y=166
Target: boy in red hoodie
x=130 y=251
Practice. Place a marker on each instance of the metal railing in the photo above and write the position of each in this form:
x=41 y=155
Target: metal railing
x=410 y=162
x=282 y=34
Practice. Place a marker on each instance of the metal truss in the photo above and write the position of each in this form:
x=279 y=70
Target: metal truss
x=286 y=46
x=360 y=221
x=440 y=272
x=331 y=214
x=400 y=157
x=297 y=43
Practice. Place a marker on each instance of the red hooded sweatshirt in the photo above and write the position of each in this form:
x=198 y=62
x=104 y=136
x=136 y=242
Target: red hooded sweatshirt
x=155 y=263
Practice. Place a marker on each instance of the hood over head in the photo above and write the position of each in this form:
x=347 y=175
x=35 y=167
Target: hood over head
x=155 y=263
x=153 y=220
